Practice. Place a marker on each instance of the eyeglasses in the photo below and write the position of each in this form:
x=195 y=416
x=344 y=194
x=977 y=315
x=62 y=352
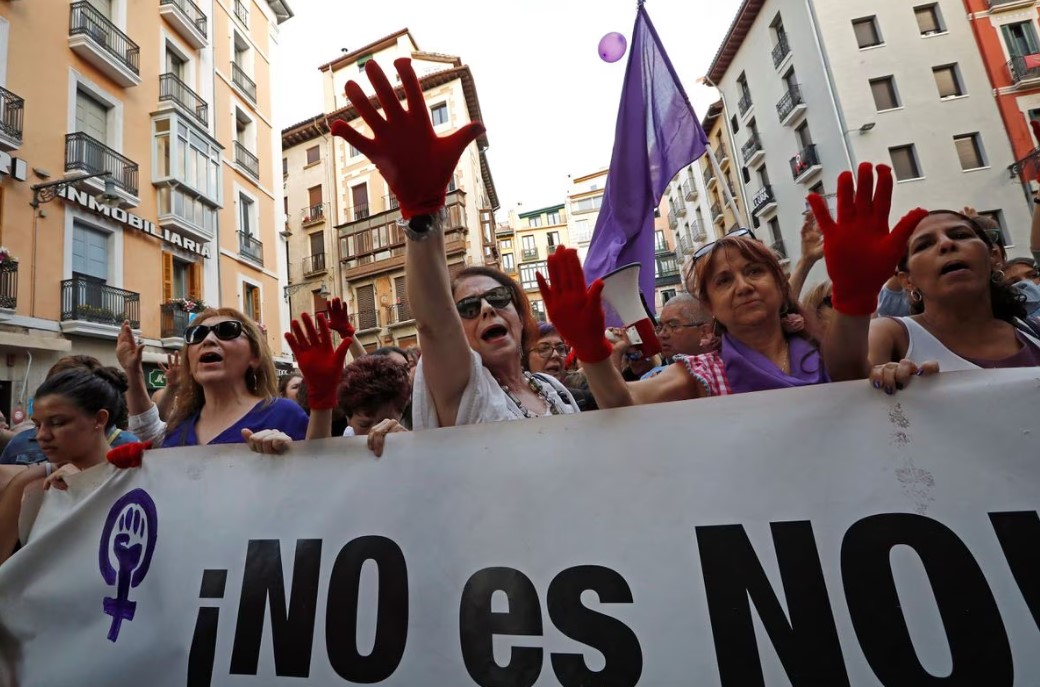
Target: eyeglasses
x=546 y=350
x=225 y=331
x=499 y=298
x=709 y=247
x=675 y=325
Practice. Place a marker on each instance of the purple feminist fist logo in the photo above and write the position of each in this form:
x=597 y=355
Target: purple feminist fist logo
x=127 y=544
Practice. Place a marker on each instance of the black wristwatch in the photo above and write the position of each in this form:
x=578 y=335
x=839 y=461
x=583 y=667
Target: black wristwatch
x=418 y=227
x=1036 y=199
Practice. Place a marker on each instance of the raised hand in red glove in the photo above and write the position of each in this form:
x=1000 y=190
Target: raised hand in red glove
x=576 y=313
x=339 y=320
x=321 y=365
x=860 y=251
x=415 y=161
x=128 y=455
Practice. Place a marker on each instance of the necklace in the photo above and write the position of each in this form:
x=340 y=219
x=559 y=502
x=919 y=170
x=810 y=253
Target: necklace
x=784 y=363
x=537 y=387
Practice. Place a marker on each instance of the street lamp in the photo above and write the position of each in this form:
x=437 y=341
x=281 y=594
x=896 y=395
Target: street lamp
x=293 y=288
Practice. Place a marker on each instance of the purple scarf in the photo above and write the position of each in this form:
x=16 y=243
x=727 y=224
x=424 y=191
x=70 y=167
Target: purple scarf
x=749 y=370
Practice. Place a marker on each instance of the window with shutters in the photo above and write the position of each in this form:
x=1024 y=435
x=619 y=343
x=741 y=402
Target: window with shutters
x=92 y=117
x=251 y=301
x=404 y=312
x=948 y=81
x=929 y=20
x=508 y=262
x=313 y=155
x=884 y=90
x=998 y=217
x=867 y=33
x=90 y=252
x=320 y=303
x=969 y=151
x=1020 y=38
x=904 y=162
x=366 y=307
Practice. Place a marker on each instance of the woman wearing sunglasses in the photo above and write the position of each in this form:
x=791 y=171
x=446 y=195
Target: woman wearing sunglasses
x=744 y=288
x=474 y=330
x=228 y=392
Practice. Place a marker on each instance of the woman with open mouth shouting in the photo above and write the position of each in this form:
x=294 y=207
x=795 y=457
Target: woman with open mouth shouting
x=473 y=331
x=229 y=394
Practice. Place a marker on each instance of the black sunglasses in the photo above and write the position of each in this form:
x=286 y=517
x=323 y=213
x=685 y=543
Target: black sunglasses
x=499 y=298
x=709 y=247
x=225 y=331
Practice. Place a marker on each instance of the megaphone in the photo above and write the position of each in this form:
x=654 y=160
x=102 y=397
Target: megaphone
x=621 y=291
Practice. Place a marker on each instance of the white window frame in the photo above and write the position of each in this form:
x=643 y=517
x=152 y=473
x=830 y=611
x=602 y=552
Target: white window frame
x=254 y=215
x=114 y=130
x=245 y=279
x=102 y=224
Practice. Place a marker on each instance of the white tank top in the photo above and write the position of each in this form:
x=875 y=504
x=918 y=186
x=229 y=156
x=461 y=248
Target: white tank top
x=923 y=346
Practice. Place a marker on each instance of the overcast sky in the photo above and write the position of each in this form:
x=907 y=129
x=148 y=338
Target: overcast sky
x=549 y=102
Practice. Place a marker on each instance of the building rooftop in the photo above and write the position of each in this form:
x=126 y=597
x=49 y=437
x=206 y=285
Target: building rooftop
x=735 y=36
x=713 y=113
x=281 y=10
x=374 y=46
x=542 y=211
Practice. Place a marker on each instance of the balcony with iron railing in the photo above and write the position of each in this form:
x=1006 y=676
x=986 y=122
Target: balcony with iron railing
x=763 y=199
x=400 y=313
x=697 y=231
x=173 y=320
x=313 y=214
x=1024 y=70
x=998 y=5
x=172 y=89
x=390 y=202
x=364 y=320
x=12 y=109
x=529 y=254
x=86 y=154
x=716 y=212
x=9 y=284
x=314 y=264
x=744 y=103
x=689 y=189
x=805 y=164
x=790 y=105
x=85 y=299
x=781 y=50
x=242 y=81
x=360 y=211
x=250 y=247
x=242 y=12
x=751 y=149
x=247 y=160
x=1028 y=168
x=97 y=40
x=673 y=219
x=189 y=21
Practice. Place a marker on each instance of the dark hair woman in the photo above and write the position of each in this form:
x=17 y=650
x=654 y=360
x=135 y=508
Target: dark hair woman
x=289 y=385
x=228 y=391
x=74 y=412
x=741 y=284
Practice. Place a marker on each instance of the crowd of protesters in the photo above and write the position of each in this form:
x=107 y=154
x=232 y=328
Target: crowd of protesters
x=936 y=293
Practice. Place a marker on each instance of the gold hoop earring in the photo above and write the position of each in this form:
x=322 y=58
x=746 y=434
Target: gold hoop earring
x=915 y=296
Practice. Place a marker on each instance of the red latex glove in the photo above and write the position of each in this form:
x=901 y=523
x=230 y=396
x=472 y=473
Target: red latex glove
x=860 y=252
x=416 y=163
x=339 y=320
x=128 y=455
x=321 y=365
x=576 y=313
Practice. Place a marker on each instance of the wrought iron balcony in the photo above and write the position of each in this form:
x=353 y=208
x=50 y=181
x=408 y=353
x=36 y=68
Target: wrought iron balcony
x=697 y=231
x=83 y=298
x=751 y=148
x=243 y=82
x=172 y=320
x=9 y=284
x=313 y=214
x=12 y=109
x=314 y=264
x=187 y=18
x=172 y=89
x=1024 y=69
x=390 y=202
x=716 y=211
x=361 y=211
x=1028 y=168
x=791 y=100
x=744 y=104
x=689 y=189
x=401 y=312
x=86 y=154
x=364 y=319
x=99 y=41
x=781 y=49
x=529 y=254
x=247 y=160
x=806 y=160
x=763 y=198
x=250 y=247
x=242 y=12
x=673 y=219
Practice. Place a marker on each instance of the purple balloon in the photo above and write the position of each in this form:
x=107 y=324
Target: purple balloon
x=612 y=47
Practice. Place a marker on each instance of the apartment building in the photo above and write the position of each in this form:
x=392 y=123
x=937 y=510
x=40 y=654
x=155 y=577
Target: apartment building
x=1006 y=33
x=817 y=87
x=340 y=215
x=689 y=211
x=536 y=235
x=131 y=175
x=719 y=130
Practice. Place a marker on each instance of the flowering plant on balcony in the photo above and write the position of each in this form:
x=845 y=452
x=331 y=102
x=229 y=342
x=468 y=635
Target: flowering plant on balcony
x=195 y=305
x=5 y=256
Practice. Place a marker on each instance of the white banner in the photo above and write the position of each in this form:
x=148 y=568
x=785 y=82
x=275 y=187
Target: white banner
x=821 y=536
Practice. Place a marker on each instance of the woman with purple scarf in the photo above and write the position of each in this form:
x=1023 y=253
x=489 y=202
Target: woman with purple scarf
x=743 y=286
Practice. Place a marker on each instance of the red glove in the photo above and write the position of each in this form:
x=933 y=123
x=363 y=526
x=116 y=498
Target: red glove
x=128 y=455
x=322 y=367
x=416 y=163
x=576 y=313
x=860 y=252
x=339 y=321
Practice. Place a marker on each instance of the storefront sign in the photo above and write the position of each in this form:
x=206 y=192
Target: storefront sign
x=129 y=219
x=156 y=378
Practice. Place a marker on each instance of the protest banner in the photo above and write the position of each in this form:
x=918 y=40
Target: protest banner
x=821 y=536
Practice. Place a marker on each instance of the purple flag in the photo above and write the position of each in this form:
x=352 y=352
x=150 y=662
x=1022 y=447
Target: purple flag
x=657 y=134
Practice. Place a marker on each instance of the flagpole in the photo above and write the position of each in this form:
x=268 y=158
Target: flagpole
x=726 y=194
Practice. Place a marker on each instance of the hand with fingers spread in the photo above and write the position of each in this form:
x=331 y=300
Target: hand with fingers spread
x=892 y=377
x=172 y=369
x=128 y=350
x=339 y=319
x=861 y=252
x=416 y=162
x=576 y=312
x=321 y=365
x=812 y=239
x=128 y=455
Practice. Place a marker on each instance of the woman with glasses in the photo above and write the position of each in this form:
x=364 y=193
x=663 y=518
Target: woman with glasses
x=229 y=390
x=548 y=355
x=740 y=283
